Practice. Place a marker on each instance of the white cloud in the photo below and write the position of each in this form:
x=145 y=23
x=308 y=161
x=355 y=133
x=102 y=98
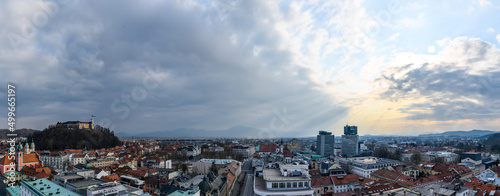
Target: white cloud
x=443 y=42
x=498 y=38
x=431 y=49
x=483 y=3
x=413 y=22
x=393 y=36
x=490 y=30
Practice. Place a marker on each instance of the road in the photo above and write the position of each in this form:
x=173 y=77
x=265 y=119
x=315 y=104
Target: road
x=248 y=188
x=244 y=183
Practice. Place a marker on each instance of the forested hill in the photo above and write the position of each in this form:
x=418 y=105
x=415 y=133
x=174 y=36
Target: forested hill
x=494 y=141
x=60 y=138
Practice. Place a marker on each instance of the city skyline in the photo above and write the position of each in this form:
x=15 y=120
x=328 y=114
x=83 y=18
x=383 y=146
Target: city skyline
x=285 y=68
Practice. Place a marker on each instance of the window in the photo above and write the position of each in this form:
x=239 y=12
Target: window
x=275 y=185
x=301 y=184
x=288 y=185
x=294 y=184
x=306 y=184
x=282 y=185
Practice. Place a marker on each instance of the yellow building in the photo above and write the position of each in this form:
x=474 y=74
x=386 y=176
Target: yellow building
x=102 y=162
x=77 y=124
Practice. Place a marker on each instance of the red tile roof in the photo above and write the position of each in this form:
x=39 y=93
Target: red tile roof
x=314 y=172
x=381 y=187
x=136 y=173
x=346 y=179
x=151 y=171
x=393 y=176
x=111 y=178
x=268 y=148
x=321 y=181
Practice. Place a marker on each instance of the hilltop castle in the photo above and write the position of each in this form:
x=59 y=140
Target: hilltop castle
x=77 y=124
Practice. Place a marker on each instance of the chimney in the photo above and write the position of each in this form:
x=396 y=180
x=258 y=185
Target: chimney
x=431 y=191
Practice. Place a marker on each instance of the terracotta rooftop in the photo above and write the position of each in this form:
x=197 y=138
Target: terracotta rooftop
x=321 y=181
x=111 y=178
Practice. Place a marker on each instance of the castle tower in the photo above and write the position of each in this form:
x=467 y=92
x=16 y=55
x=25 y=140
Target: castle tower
x=92 y=122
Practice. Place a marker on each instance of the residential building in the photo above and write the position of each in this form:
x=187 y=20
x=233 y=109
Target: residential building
x=56 y=160
x=322 y=185
x=35 y=173
x=114 y=188
x=76 y=159
x=102 y=162
x=393 y=176
x=190 y=151
x=132 y=181
x=201 y=167
x=190 y=192
x=440 y=157
x=285 y=180
x=349 y=182
x=364 y=166
x=489 y=177
x=157 y=163
x=244 y=150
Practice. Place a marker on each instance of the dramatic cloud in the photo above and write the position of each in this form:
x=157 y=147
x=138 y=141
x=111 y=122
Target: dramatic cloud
x=284 y=67
x=216 y=67
x=461 y=82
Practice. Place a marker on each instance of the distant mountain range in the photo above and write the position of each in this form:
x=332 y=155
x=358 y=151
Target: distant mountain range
x=250 y=132
x=237 y=131
x=472 y=133
x=20 y=132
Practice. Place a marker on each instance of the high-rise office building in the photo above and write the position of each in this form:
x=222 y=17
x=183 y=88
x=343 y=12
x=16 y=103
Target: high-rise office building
x=350 y=130
x=325 y=143
x=350 y=140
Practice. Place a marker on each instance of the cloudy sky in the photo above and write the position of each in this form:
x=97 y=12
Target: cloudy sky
x=289 y=68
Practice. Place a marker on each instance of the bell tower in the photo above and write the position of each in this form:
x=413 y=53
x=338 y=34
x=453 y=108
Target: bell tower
x=32 y=148
x=19 y=157
x=26 y=148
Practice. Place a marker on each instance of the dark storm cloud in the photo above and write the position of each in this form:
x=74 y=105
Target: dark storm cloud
x=91 y=54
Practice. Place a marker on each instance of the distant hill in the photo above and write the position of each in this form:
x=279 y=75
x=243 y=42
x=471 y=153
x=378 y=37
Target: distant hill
x=60 y=138
x=493 y=139
x=19 y=132
x=472 y=133
x=237 y=131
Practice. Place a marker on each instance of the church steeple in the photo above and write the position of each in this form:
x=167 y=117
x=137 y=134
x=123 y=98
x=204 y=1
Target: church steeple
x=32 y=146
x=26 y=148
